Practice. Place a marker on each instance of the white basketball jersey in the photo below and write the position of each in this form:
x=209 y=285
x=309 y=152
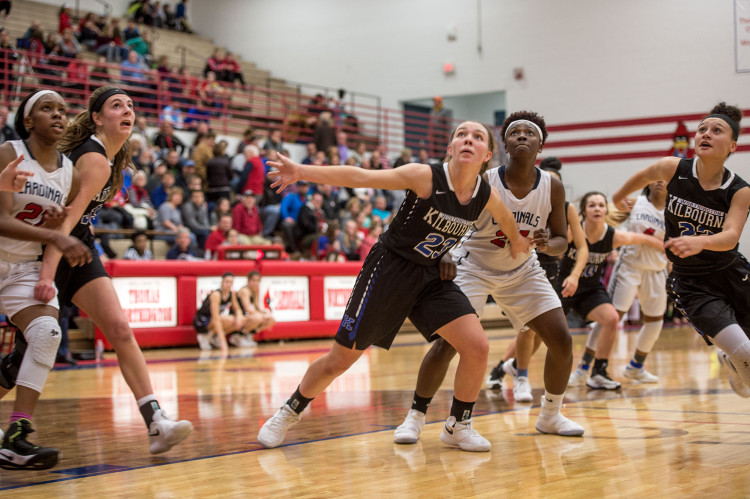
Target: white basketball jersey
x=645 y=218
x=485 y=245
x=42 y=190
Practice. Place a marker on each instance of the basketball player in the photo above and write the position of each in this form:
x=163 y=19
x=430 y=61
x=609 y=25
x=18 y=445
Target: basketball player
x=40 y=122
x=441 y=204
x=517 y=356
x=706 y=209
x=641 y=270
x=257 y=317
x=219 y=315
x=96 y=142
x=591 y=300
x=484 y=266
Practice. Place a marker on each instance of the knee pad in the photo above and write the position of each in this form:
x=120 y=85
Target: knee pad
x=43 y=336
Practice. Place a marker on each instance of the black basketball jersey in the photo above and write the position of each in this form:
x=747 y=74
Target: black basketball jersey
x=82 y=230
x=224 y=305
x=544 y=258
x=424 y=229
x=691 y=210
x=598 y=253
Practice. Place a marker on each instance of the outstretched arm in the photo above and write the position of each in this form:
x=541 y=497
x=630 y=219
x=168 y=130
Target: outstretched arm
x=661 y=170
x=413 y=176
x=623 y=238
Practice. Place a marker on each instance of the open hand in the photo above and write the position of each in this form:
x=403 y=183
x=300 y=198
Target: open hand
x=11 y=178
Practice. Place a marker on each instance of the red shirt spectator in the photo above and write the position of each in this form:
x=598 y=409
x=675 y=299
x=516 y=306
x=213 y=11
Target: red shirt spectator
x=246 y=216
x=65 y=20
x=254 y=173
x=214 y=239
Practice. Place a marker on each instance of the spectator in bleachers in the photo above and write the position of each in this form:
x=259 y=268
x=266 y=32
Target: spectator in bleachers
x=159 y=194
x=232 y=70
x=248 y=137
x=88 y=31
x=211 y=93
x=215 y=63
x=160 y=20
x=380 y=209
x=186 y=176
x=145 y=160
x=290 y=207
x=360 y=153
x=139 y=202
x=168 y=15
x=65 y=19
x=233 y=238
x=333 y=157
x=218 y=174
x=154 y=178
x=7 y=132
x=171 y=113
x=132 y=70
x=404 y=158
x=370 y=239
x=100 y=71
x=218 y=236
x=131 y=30
x=144 y=14
x=311 y=222
x=140 y=128
x=139 y=250
x=223 y=207
x=349 y=240
x=330 y=202
x=274 y=142
x=142 y=45
x=328 y=246
x=169 y=214
x=195 y=216
x=109 y=46
x=310 y=150
x=183 y=248
x=166 y=140
x=203 y=152
x=378 y=161
x=36 y=47
x=34 y=25
x=246 y=219
x=180 y=16
x=342 y=147
x=69 y=46
x=324 y=134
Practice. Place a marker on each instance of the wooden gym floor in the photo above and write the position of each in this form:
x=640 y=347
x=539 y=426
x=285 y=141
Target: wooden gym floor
x=689 y=435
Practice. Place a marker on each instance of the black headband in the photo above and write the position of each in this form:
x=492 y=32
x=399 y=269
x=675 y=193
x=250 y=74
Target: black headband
x=99 y=102
x=734 y=126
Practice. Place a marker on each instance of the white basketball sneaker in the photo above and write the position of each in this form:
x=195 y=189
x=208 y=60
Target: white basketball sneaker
x=408 y=432
x=739 y=387
x=577 y=377
x=639 y=375
x=522 y=390
x=164 y=432
x=602 y=381
x=460 y=434
x=203 y=342
x=274 y=430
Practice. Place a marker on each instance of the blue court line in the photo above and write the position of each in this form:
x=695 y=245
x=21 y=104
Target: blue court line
x=382 y=428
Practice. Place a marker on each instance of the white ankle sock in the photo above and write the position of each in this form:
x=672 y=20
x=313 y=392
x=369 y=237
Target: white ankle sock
x=551 y=404
x=735 y=343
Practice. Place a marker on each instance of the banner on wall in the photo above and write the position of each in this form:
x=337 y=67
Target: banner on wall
x=337 y=289
x=742 y=35
x=148 y=301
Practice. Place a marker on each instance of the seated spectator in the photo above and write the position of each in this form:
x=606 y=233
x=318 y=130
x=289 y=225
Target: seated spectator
x=215 y=63
x=88 y=31
x=404 y=158
x=212 y=93
x=133 y=71
x=324 y=135
x=246 y=219
x=100 y=71
x=65 y=18
x=140 y=129
x=380 y=210
x=109 y=46
x=233 y=238
x=166 y=140
x=350 y=240
x=274 y=142
x=183 y=248
x=69 y=46
x=257 y=316
x=142 y=45
x=180 y=16
x=169 y=215
x=310 y=150
x=223 y=207
x=159 y=194
x=139 y=250
x=370 y=239
x=218 y=316
x=232 y=70
x=7 y=132
x=188 y=176
x=342 y=147
x=218 y=174
x=169 y=19
x=139 y=202
x=195 y=216
x=217 y=237
x=131 y=30
x=171 y=113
